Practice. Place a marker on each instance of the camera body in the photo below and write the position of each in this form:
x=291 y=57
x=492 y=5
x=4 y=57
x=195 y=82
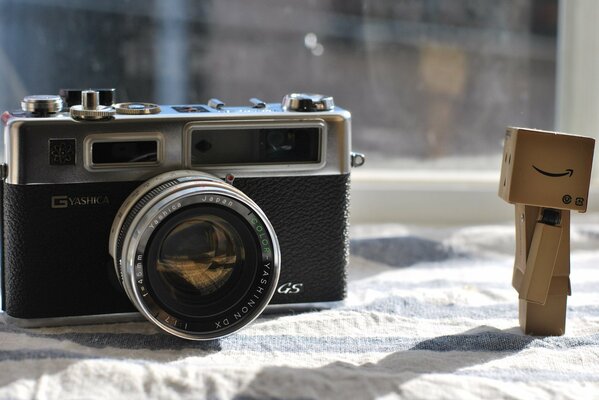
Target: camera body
x=69 y=176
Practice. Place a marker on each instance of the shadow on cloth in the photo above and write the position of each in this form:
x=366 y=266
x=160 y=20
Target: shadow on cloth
x=140 y=336
x=402 y=251
x=50 y=350
x=443 y=354
x=36 y=352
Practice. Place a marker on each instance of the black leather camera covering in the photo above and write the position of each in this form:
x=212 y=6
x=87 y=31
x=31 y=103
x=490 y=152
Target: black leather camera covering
x=56 y=261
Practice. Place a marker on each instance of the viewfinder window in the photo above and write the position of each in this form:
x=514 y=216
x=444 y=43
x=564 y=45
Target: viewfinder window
x=255 y=146
x=125 y=152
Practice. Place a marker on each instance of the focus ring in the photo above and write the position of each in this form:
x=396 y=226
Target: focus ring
x=135 y=210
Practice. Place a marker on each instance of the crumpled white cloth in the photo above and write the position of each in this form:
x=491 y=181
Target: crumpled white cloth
x=430 y=313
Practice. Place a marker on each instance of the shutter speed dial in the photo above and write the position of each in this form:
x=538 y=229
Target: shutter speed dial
x=72 y=97
x=90 y=108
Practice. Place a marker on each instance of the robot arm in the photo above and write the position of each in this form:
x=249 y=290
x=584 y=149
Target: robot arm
x=542 y=257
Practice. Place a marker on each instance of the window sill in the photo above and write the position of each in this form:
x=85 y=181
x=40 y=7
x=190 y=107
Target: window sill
x=429 y=197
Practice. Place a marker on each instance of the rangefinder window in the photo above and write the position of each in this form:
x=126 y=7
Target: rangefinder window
x=125 y=152
x=255 y=146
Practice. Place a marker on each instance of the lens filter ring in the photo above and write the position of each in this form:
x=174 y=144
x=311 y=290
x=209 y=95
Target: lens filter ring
x=198 y=258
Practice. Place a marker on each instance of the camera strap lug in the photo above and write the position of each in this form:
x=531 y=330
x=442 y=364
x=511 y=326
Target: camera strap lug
x=357 y=159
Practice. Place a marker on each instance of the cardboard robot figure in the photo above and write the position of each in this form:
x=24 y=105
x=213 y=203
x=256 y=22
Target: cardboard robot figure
x=545 y=175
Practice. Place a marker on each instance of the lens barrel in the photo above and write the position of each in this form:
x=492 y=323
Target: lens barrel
x=195 y=255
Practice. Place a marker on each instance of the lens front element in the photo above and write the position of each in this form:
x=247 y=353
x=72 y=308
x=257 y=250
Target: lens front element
x=199 y=256
x=196 y=256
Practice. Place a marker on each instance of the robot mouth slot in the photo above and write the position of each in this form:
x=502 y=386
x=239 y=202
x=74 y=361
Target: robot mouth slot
x=568 y=171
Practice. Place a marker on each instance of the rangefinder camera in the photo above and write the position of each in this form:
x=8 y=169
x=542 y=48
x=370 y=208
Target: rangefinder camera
x=197 y=216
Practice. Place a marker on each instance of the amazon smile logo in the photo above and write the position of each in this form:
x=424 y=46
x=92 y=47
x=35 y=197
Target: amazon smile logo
x=569 y=172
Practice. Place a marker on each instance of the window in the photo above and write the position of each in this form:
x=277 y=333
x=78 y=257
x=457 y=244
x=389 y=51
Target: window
x=431 y=84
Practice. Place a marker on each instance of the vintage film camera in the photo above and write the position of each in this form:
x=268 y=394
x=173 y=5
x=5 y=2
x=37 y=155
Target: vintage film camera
x=195 y=215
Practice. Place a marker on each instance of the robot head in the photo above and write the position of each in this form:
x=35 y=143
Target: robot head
x=546 y=169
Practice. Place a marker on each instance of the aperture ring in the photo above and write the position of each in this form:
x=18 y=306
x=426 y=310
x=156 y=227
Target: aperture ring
x=135 y=210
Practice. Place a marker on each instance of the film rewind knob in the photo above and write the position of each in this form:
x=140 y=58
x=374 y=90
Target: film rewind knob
x=42 y=104
x=305 y=102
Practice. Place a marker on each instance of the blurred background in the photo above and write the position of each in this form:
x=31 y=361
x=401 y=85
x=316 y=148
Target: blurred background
x=430 y=83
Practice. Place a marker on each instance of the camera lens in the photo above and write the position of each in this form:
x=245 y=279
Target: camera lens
x=201 y=262
x=196 y=256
